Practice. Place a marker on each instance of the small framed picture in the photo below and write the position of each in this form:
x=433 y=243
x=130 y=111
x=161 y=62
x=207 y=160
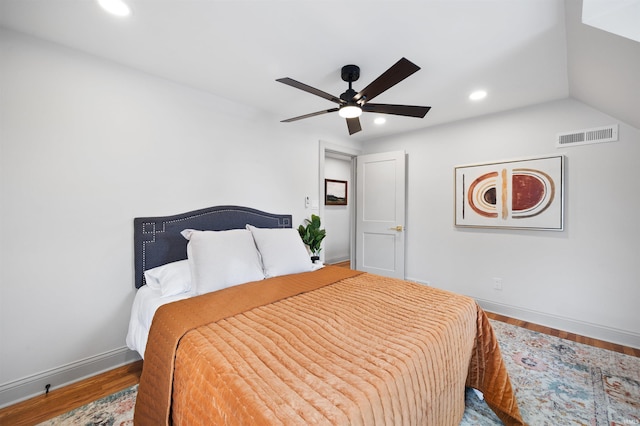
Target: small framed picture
x=335 y=192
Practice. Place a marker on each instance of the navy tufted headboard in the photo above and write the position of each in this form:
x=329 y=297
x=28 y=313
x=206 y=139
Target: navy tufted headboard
x=157 y=240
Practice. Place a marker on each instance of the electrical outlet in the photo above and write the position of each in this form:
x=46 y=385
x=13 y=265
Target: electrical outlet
x=307 y=201
x=497 y=284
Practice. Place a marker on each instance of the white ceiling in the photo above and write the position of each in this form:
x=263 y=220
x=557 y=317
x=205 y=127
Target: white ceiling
x=520 y=51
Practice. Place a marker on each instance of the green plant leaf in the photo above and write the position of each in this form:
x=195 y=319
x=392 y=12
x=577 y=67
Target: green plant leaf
x=311 y=234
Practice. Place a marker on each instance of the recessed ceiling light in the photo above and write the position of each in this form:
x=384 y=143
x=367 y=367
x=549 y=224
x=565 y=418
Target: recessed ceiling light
x=477 y=95
x=380 y=120
x=115 y=7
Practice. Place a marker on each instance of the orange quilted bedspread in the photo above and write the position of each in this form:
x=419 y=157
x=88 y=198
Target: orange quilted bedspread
x=327 y=347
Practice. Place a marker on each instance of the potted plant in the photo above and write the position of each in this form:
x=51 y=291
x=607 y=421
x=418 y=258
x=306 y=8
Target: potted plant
x=312 y=236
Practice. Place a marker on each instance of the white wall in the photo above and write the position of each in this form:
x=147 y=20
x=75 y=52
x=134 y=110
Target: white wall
x=337 y=219
x=86 y=146
x=584 y=279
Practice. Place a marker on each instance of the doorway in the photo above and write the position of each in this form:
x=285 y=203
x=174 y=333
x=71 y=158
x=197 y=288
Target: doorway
x=338 y=163
x=369 y=230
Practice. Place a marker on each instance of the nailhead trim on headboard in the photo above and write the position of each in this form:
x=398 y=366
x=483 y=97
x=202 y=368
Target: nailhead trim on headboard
x=157 y=240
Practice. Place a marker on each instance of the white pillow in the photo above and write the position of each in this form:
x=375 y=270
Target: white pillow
x=221 y=259
x=171 y=279
x=282 y=251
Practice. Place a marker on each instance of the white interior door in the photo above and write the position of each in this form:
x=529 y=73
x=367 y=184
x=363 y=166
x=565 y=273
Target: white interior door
x=380 y=213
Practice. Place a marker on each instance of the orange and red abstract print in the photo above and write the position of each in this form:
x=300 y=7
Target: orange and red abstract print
x=482 y=195
x=515 y=194
x=532 y=192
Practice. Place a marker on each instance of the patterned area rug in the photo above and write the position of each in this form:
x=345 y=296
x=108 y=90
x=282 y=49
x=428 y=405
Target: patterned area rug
x=557 y=382
x=112 y=410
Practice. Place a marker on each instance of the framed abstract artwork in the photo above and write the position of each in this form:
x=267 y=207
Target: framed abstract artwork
x=335 y=192
x=518 y=194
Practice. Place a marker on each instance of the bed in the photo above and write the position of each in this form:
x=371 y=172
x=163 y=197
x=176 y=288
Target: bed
x=263 y=336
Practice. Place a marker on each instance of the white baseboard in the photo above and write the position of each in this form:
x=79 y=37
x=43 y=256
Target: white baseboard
x=582 y=328
x=330 y=261
x=417 y=280
x=30 y=386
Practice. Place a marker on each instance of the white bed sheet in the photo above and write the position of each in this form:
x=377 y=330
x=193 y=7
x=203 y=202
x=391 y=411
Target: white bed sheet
x=145 y=304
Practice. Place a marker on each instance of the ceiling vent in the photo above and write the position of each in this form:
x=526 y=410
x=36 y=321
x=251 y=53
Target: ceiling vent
x=588 y=136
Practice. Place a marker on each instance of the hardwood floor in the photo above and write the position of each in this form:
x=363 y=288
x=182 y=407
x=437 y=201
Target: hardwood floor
x=566 y=335
x=60 y=401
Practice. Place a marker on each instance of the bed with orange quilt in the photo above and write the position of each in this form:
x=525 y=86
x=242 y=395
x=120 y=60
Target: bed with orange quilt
x=330 y=346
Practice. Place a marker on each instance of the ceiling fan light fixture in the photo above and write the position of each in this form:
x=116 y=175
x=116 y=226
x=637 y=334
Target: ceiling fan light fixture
x=350 y=111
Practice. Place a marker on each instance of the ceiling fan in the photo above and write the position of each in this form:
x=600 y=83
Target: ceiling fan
x=352 y=104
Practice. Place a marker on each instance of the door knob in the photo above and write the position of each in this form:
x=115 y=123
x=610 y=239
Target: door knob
x=397 y=228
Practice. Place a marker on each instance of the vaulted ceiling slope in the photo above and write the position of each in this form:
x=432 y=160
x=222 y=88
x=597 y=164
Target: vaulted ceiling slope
x=603 y=68
x=522 y=52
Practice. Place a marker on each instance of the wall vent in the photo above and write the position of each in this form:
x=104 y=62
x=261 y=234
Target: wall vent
x=588 y=136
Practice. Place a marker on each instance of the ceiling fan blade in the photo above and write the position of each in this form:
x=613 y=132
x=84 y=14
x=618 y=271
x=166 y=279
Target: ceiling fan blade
x=293 y=83
x=313 y=114
x=394 y=75
x=354 y=125
x=406 y=110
